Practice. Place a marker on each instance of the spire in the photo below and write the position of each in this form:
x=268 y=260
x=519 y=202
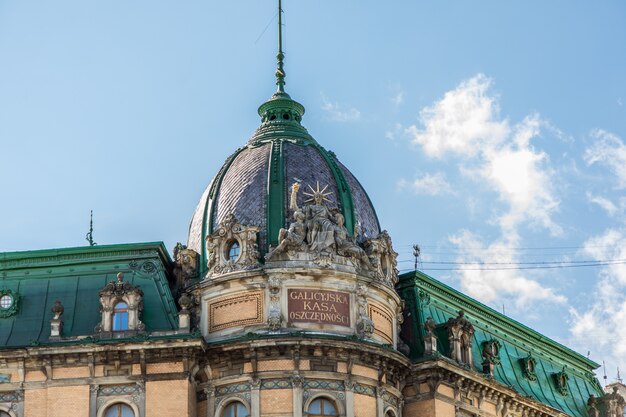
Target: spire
x=280 y=72
x=280 y=110
x=89 y=237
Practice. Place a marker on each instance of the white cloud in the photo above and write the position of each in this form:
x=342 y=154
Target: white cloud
x=496 y=153
x=466 y=123
x=393 y=133
x=462 y=122
x=608 y=150
x=489 y=283
x=604 y=203
x=601 y=326
x=428 y=184
x=338 y=112
x=398 y=98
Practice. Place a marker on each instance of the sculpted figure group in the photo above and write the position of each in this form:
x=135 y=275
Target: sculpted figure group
x=320 y=231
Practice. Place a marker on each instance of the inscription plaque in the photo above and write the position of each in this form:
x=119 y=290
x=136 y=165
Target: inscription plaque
x=318 y=306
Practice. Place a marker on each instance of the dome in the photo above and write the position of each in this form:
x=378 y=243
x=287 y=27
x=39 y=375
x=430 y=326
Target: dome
x=255 y=181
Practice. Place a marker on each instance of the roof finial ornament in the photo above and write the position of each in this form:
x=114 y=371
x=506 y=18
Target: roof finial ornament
x=280 y=72
x=89 y=236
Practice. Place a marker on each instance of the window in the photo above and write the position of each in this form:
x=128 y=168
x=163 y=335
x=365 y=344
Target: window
x=4 y=414
x=322 y=407
x=6 y=301
x=120 y=317
x=233 y=251
x=119 y=410
x=235 y=409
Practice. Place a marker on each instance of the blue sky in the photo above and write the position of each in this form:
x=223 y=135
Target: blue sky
x=487 y=132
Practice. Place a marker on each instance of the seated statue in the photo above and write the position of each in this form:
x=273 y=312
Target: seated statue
x=292 y=238
x=346 y=246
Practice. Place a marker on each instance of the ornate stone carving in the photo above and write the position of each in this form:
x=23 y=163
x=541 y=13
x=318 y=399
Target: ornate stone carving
x=364 y=325
x=383 y=258
x=592 y=408
x=613 y=404
x=491 y=355
x=121 y=291
x=528 y=368
x=232 y=247
x=560 y=380
x=184 y=315
x=293 y=239
x=56 y=324
x=185 y=264
x=401 y=346
x=430 y=340
x=460 y=332
x=318 y=234
x=274 y=315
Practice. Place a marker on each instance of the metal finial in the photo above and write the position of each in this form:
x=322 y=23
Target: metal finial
x=280 y=72
x=89 y=236
x=416 y=253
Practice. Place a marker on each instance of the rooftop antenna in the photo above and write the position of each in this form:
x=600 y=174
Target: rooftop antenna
x=89 y=236
x=604 y=377
x=280 y=72
x=416 y=253
x=619 y=378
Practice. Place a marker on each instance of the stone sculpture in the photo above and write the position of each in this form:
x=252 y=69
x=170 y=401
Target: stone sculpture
x=319 y=232
x=231 y=234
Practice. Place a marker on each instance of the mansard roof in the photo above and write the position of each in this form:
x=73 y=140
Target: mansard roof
x=561 y=378
x=74 y=276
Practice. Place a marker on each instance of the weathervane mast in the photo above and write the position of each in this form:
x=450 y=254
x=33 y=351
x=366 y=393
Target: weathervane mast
x=89 y=237
x=280 y=72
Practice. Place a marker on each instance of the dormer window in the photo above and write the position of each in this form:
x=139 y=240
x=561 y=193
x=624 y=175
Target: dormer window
x=121 y=305
x=233 y=251
x=120 y=317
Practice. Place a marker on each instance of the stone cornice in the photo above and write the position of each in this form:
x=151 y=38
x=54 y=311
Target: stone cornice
x=80 y=255
x=440 y=372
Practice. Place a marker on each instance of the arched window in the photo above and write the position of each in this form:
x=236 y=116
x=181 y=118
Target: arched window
x=322 y=407
x=233 y=251
x=390 y=413
x=235 y=409
x=119 y=410
x=120 y=317
x=4 y=414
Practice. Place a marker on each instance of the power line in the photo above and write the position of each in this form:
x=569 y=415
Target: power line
x=526 y=267
x=608 y=261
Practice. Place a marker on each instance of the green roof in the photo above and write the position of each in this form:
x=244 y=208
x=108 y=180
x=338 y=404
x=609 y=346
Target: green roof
x=74 y=276
x=427 y=297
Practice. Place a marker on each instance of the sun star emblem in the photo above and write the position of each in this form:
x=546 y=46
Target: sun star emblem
x=317 y=193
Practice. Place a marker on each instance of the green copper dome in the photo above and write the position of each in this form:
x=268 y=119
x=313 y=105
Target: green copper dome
x=254 y=182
